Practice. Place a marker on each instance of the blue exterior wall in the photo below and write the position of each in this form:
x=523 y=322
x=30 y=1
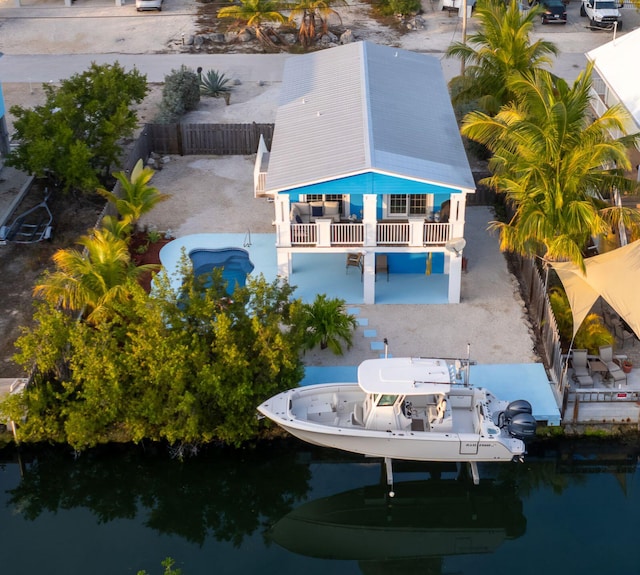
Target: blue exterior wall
x=373 y=183
x=411 y=263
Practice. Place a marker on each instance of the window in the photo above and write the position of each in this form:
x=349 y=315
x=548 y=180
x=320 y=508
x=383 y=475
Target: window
x=405 y=205
x=387 y=400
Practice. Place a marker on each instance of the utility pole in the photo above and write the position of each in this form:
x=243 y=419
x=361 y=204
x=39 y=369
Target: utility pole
x=464 y=30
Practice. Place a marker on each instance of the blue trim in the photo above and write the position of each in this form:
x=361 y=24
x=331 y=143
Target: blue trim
x=1 y=103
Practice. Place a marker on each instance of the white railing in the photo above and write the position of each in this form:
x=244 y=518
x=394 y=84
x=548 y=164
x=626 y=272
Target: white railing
x=435 y=234
x=304 y=234
x=347 y=234
x=392 y=233
x=396 y=233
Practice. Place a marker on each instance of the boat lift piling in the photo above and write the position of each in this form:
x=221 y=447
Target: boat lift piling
x=388 y=466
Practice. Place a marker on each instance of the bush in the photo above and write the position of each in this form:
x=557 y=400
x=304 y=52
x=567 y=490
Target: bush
x=181 y=93
x=404 y=7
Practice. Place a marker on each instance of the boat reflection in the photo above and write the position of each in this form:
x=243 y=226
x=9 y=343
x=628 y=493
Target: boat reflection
x=427 y=520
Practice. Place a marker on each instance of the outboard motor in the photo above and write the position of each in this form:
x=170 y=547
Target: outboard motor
x=513 y=409
x=522 y=426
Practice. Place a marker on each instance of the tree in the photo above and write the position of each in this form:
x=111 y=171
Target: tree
x=186 y=368
x=500 y=48
x=554 y=164
x=326 y=323
x=136 y=196
x=255 y=13
x=592 y=332
x=313 y=13
x=93 y=279
x=75 y=137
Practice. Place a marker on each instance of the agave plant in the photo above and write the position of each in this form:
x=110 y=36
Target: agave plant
x=215 y=85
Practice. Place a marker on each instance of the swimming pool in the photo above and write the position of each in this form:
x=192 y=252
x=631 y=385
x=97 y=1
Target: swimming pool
x=234 y=262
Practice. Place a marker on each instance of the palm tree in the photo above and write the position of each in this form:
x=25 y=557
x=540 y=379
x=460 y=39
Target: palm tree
x=312 y=12
x=554 y=164
x=254 y=13
x=326 y=323
x=93 y=279
x=500 y=48
x=137 y=197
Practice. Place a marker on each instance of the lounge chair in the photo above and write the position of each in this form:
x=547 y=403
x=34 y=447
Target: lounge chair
x=614 y=371
x=580 y=365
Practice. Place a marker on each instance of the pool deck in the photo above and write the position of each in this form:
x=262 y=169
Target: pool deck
x=313 y=273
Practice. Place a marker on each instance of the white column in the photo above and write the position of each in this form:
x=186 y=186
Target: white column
x=324 y=231
x=369 y=203
x=369 y=278
x=284 y=263
x=456 y=217
x=283 y=224
x=455 y=277
x=416 y=231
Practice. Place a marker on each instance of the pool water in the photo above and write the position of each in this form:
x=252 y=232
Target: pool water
x=234 y=262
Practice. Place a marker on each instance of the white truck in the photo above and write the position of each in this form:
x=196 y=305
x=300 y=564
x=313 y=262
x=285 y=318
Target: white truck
x=602 y=13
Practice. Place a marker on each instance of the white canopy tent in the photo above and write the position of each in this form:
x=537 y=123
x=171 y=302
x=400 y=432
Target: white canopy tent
x=613 y=275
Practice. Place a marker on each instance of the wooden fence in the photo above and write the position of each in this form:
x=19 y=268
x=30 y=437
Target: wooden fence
x=543 y=320
x=203 y=139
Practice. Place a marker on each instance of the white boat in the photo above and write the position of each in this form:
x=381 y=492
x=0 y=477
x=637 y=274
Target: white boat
x=419 y=409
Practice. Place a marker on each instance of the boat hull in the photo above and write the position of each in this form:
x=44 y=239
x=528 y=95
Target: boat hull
x=329 y=405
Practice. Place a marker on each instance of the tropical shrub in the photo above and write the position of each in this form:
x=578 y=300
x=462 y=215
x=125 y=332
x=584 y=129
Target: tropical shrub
x=181 y=93
x=215 y=85
x=326 y=323
x=592 y=332
x=403 y=7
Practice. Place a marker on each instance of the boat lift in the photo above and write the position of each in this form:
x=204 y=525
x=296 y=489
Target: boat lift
x=388 y=465
x=32 y=226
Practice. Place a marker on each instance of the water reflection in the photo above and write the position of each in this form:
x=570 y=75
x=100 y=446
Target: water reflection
x=226 y=494
x=286 y=509
x=411 y=533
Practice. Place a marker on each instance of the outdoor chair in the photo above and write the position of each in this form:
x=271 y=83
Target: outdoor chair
x=354 y=260
x=382 y=265
x=580 y=365
x=622 y=334
x=614 y=371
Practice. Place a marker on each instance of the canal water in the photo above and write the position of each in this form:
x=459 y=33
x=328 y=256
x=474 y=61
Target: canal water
x=287 y=509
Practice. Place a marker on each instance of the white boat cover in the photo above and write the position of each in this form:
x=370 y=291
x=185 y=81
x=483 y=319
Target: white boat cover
x=613 y=275
x=405 y=376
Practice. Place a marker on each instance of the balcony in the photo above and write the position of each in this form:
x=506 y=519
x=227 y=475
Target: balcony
x=387 y=234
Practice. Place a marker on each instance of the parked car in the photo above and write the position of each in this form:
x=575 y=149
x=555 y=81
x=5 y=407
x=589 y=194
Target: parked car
x=149 y=5
x=555 y=12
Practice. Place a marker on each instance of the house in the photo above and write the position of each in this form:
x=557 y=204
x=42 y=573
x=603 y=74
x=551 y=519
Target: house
x=614 y=82
x=367 y=160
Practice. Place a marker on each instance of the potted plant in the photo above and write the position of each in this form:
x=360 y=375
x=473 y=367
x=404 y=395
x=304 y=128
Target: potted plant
x=627 y=365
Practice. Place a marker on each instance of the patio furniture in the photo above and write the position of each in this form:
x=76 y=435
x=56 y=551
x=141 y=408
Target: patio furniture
x=623 y=334
x=355 y=260
x=614 y=371
x=580 y=365
x=382 y=265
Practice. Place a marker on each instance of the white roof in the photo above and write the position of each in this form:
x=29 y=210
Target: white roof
x=617 y=62
x=360 y=108
x=404 y=376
